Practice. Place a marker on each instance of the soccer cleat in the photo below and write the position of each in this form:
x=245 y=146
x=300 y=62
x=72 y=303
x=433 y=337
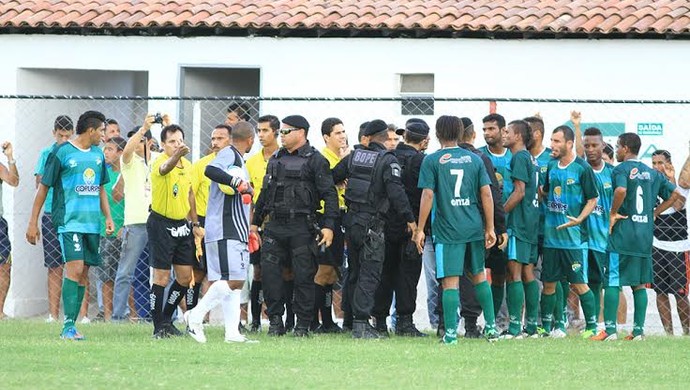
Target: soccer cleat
x=50 y=319
x=509 y=336
x=631 y=337
x=239 y=338
x=85 y=320
x=603 y=336
x=449 y=339
x=172 y=330
x=491 y=335
x=194 y=330
x=558 y=334
x=587 y=334
x=71 y=333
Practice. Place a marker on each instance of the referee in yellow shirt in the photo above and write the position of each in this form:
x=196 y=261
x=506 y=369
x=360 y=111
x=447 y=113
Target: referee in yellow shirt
x=171 y=241
x=267 y=132
x=330 y=259
x=220 y=138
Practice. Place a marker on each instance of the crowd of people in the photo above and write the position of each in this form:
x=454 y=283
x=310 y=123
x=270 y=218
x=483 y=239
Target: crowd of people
x=276 y=233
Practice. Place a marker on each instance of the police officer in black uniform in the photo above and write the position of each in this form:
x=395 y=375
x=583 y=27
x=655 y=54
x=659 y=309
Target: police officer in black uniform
x=373 y=186
x=297 y=179
x=402 y=264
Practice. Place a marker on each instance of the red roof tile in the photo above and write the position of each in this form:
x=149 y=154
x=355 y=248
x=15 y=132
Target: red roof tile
x=666 y=17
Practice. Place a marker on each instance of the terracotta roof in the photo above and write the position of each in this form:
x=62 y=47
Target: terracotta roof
x=562 y=17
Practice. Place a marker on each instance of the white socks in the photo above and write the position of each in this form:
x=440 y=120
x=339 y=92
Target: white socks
x=215 y=295
x=231 y=312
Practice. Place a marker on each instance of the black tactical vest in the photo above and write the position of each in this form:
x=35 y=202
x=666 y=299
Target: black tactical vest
x=291 y=192
x=363 y=193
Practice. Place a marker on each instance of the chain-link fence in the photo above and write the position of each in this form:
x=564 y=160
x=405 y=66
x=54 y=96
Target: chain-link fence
x=27 y=121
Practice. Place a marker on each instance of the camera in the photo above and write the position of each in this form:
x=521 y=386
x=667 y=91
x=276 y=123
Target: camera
x=158 y=118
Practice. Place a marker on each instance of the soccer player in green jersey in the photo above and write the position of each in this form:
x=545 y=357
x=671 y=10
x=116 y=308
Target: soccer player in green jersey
x=76 y=171
x=631 y=232
x=598 y=221
x=571 y=196
x=522 y=207
x=454 y=181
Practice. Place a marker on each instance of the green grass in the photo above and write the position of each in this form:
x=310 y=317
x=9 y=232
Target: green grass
x=125 y=356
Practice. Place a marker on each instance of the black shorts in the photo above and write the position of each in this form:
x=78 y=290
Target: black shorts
x=201 y=264
x=497 y=261
x=670 y=272
x=5 y=245
x=52 y=254
x=170 y=241
x=333 y=255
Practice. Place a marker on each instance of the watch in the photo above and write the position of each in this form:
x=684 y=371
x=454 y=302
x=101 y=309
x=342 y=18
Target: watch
x=196 y=224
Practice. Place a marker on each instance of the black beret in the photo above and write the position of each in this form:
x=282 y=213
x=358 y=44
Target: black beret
x=415 y=125
x=297 y=121
x=375 y=126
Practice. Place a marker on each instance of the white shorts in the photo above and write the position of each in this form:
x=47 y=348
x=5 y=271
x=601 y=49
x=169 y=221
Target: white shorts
x=227 y=260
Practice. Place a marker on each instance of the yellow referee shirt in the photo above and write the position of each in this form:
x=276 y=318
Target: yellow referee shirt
x=170 y=196
x=333 y=160
x=201 y=185
x=256 y=165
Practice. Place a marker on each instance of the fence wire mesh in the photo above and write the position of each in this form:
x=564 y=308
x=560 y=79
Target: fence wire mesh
x=27 y=122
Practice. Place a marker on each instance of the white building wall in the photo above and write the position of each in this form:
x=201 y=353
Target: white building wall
x=356 y=67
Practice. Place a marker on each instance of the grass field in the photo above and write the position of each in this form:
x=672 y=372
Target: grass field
x=124 y=356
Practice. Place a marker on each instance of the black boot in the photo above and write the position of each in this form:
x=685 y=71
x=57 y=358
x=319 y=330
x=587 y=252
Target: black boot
x=472 y=331
x=276 y=327
x=382 y=327
x=302 y=329
x=405 y=327
x=362 y=330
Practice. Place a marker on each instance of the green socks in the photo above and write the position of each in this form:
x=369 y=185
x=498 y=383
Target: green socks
x=498 y=293
x=611 y=308
x=81 y=290
x=559 y=307
x=70 y=301
x=588 y=308
x=548 y=302
x=486 y=301
x=451 y=300
x=596 y=290
x=640 y=299
x=515 y=299
x=531 y=306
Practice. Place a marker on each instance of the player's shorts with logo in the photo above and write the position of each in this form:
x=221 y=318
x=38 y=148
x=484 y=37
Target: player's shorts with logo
x=560 y=264
x=522 y=251
x=80 y=246
x=170 y=241
x=5 y=245
x=670 y=272
x=52 y=254
x=452 y=259
x=596 y=262
x=227 y=260
x=627 y=270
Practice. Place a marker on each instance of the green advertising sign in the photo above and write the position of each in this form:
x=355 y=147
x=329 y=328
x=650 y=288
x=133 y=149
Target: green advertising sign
x=650 y=129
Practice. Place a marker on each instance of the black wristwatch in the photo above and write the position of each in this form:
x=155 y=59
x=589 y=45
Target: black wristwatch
x=196 y=224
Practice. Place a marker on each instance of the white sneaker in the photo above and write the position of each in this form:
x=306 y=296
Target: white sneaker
x=50 y=319
x=239 y=338
x=194 y=330
x=558 y=334
x=85 y=320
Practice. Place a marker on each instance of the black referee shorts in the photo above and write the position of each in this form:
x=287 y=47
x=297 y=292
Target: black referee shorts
x=170 y=241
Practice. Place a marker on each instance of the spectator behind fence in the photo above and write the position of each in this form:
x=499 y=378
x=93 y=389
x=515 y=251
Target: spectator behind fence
x=63 y=129
x=134 y=169
x=77 y=172
x=237 y=112
x=171 y=236
x=112 y=130
x=670 y=251
x=9 y=175
x=111 y=244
